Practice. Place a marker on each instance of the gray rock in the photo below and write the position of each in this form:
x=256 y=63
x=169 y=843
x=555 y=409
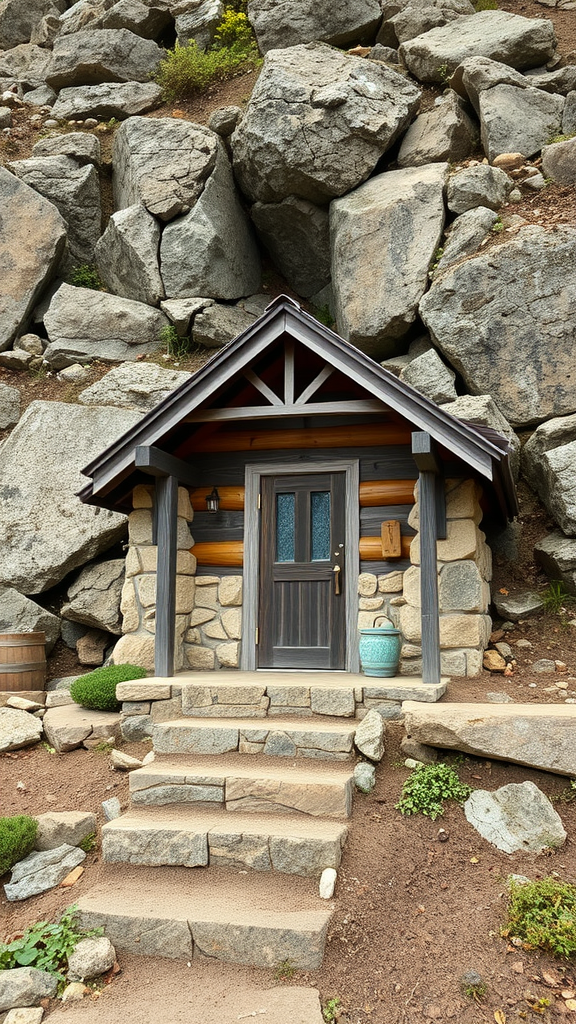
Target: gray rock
x=81 y=146
x=83 y=324
x=446 y=132
x=306 y=100
x=520 y=605
x=211 y=251
x=47 y=532
x=561 y=81
x=93 y=646
x=418 y=751
x=9 y=406
x=495 y=318
x=559 y=162
x=288 y=24
x=554 y=433
x=124 y=762
x=465 y=235
x=544 y=666
x=18 y=614
x=17 y=20
x=109 y=99
x=483 y=411
x=198 y=21
x=146 y=19
x=519 y=42
x=461 y=588
x=569 y=116
x=25 y=986
x=45 y=31
x=516 y=817
x=223 y=121
x=296 y=234
x=75 y=192
x=557 y=556
x=32 y=240
x=111 y=808
x=5 y=117
x=94 y=596
x=101 y=55
x=516 y=120
x=26 y=65
x=431 y=377
x=476 y=74
x=370 y=736
x=495 y=697
x=90 y=958
x=18 y=729
x=127 y=255
x=25 y=1015
x=182 y=312
x=82 y=15
x=478 y=186
x=67 y=726
x=557 y=485
x=39 y=872
x=71 y=632
x=394 y=221
x=415 y=19
x=163 y=163
x=58 y=828
x=217 y=325
x=139 y=386
x=364 y=776
x=43 y=96
x=136 y=728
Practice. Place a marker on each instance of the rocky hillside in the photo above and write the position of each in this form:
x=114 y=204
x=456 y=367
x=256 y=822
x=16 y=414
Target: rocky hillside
x=408 y=169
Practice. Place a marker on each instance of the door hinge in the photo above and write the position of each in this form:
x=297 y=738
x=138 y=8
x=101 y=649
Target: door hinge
x=259 y=502
x=257 y=637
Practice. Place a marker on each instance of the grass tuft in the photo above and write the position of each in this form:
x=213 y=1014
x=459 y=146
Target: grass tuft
x=543 y=915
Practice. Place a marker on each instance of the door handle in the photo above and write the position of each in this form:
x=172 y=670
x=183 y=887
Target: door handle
x=336 y=569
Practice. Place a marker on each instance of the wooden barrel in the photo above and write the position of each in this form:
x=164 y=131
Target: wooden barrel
x=22 y=661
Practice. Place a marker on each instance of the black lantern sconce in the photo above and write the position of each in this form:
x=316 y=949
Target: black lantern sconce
x=213 y=500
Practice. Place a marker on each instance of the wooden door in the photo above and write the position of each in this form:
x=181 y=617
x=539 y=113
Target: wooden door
x=302 y=620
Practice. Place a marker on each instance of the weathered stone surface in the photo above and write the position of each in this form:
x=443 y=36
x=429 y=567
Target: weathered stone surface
x=32 y=240
x=557 y=485
x=41 y=871
x=465 y=235
x=94 y=596
x=405 y=20
x=461 y=588
x=47 y=531
x=476 y=74
x=25 y=986
x=569 y=116
x=509 y=38
x=91 y=648
x=561 y=81
x=17 y=20
x=364 y=776
x=18 y=729
x=218 y=324
x=211 y=251
x=163 y=163
x=537 y=735
x=146 y=19
x=393 y=222
x=493 y=662
x=332 y=701
x=445 y=132
x=154 y=845
x=18 y=614
x=111 y=808
x=83 y=324
x=224 y=120
x=66 y=727
x=107 y=100
x=102 y=55
x=481 y=409
x=307 y=99
x=25 y=65
x=557 y=556
x=80 y=146
x=296 y=234
x=56 y=828
x=287 y=24
x=478 y=186
x=516 y=817
x=302 y=945
x=139 y=386
x=183 y=311
x=518 y=120
x=24 y=1015
x=431 y=377
x=559 y=162
x=370 y=736
x=9 y=406
x=127 y=255
x=124 y=762
x=90 y=958
x=524 y=360
x=521 y=605
x=544 y=666
x=198 y=21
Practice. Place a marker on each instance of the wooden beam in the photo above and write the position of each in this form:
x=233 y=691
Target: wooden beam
x=265 y=412
x=157 y=463
x=289 y=372
x=167 y=533
x=231 y=498
x=355 y=435
x=424 y=455
x=315 y=385
x=223 y=552
x=371 y=548
x=424 y=452
x=263 y=388
x=386 y=492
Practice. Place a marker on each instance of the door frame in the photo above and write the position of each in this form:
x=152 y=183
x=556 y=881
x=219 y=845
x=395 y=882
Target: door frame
x=251 y=570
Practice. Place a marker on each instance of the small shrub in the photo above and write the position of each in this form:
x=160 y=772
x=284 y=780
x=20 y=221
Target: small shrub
x=428 y=786
x=331 y=1009
x=555 y=597
x=175 y=346
x=97 y=690
x=89 y=842
x=46 y=946
x=498 y=226
x=543 y=915
x=234 y=32
x=486 y=5
x=187 y=70
x=17 y=838
x=86 y=276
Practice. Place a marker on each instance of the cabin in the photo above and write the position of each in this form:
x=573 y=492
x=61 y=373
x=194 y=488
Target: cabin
x=291 y=492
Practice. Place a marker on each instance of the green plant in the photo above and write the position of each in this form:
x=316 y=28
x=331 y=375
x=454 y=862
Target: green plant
x=17 y=838
x=48 y=748
x=234 y=32
x=284 y=971
x=444 y=73
x=89 y=842
x=425 y=790
x=97 y=690
x=330 y=1010
x=187 y=70
x=86 y=276
x=175 y=346
x=543 y=915
x=46 y=946
x=324 y=316
x=560 y=138
x=475 y=991
x=555 y=597
x=486 y=5
x=497 y=226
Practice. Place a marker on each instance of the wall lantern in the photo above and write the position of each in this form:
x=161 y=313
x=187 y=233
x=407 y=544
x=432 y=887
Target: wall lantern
x=213 y=500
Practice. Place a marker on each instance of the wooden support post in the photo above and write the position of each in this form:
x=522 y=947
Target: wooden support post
x=423 y=452
x=167 y=533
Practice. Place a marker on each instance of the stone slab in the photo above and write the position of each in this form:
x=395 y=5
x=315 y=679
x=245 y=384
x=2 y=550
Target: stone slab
x=42 y=870
x=516 y=817
x=67 y=727
x=143 y=689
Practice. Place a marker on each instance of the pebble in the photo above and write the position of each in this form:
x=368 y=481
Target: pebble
x=90 y=122
x=50 y=123
x=327 y=883
x=515 y=196
x=111 y=808
x=76 y=990
x=532 y=685
x=524 y=643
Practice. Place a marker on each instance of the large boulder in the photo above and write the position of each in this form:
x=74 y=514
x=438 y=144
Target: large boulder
x=216 y=325
x=32 y=241
x=514 y=120
x=296 y=234
x=481 y=410
x=127 y=255
x=509 y=38
x=47 y=532
x=107 y=100
x=17 y=19
x=413 y=18
x=394 y=223
x=25 y=65
x=83 y=324
x=146 y=18
x=75 y=192
x=478 y=186
x=102 y=55
x=557 y=556
x=211 y=251
x=286 y=24
x=198 y=20
x=476 y=74
x=516 y=817
x=465 y=235
x=317 y=123
x=139 y=386
x=18 y=614
x=94 y=596
x=445 y=132
x=559 y=162
x=506 y=320
x=18 y=729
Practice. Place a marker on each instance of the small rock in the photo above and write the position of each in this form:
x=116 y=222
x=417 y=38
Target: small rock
x=91 y=957
x=25 y=986
x=327 y=883
x=24 y=1015
x=515 y=196
x=41 y=871
x=509 y=161
x=76 y=990
x=75 y=372
x=123 y=761
x=364 y=777
x=497 y=697
x=524 y=644
x=504 y=649
x=21 y=704
x=56 y=828
x=518 y=606
x=418 y=752
x=515 y=817
x=493 y=661
x=561 y=666
x=111 y=808
x=370 y=734
x=472 y=979
x=544 y=665
x=72 y=878
x=18 y=729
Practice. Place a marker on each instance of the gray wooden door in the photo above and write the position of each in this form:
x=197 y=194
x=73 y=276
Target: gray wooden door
x=302 y=620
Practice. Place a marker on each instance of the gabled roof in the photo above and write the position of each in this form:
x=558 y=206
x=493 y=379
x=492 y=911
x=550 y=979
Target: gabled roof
x=481 y=448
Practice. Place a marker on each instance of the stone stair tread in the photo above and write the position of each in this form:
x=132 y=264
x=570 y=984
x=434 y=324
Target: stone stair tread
x=238 y=917
x=298 y=737
x=305 y=725
x=178 y=816
x=215 y=768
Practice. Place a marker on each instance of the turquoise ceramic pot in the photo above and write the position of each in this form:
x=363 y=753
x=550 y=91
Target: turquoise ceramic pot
x=380 y=651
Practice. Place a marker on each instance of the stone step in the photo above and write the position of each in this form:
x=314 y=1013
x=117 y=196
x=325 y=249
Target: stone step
x=329 y=741
x=200 y=837
x=226 y=915
x=321 y=791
